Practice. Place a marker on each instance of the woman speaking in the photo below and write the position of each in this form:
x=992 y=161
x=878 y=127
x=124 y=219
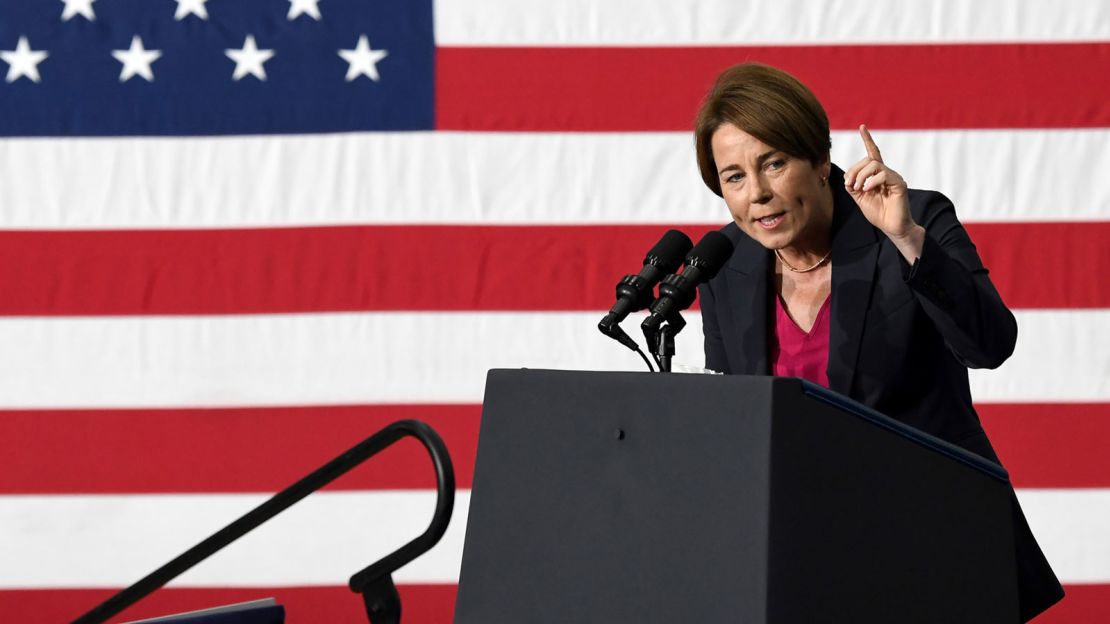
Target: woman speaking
x=848 y=278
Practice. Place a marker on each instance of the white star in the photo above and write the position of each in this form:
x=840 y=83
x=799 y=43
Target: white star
x=23 y=61
x=190 y=7
x=362 y=60
x=300 y=7
x=78 y=7
x=249 y=59
x=136 y=60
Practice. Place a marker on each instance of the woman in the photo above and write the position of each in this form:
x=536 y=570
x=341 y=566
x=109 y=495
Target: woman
x=847 y=278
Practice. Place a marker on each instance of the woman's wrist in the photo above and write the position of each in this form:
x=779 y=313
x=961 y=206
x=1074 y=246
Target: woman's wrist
x=910 y=244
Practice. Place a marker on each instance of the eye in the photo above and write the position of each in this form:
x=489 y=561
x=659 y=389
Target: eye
x=776 y=164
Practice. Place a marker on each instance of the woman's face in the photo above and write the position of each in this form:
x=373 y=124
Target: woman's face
x=778 y=200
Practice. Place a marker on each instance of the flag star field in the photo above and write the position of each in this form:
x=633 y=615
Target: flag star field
x=221 y=67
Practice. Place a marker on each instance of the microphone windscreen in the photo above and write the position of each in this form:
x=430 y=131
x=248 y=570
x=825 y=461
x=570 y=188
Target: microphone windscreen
x=668 y=253
x=711 y=253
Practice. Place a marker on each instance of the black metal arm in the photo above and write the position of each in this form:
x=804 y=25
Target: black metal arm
x=374 y=582
x=660 y=338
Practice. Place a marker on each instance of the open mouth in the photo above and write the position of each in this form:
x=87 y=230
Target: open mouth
x=770 y=222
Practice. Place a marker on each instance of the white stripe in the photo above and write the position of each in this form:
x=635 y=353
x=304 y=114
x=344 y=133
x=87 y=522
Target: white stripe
x=113 y=541
x=487 y=178
x=300 y=359
x=105 y=541
x=1073 y=529
x=1060 y=357
x=738 y=22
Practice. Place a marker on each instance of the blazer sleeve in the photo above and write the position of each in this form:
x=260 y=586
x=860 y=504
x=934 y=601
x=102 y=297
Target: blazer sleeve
x=954 y=289
x=715 y=358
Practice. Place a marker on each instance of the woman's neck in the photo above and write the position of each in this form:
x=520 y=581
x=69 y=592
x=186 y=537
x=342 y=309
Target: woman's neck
x=814 y=246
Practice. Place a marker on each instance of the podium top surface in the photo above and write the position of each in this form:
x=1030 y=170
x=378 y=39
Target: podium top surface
x=725 y=383
x=927 y=440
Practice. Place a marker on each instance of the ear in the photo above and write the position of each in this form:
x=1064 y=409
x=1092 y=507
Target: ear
x=823 y=169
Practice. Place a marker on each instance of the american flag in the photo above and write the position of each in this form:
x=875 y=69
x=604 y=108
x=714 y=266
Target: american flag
x=238 y=236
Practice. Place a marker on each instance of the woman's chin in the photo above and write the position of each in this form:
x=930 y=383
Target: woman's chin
x=770 y=240
x=777 y=237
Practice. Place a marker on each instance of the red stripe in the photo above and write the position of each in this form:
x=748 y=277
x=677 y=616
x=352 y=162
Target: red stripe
x=266 y=449
x=1051 y=445
x=422 y=604
x=221 y=450
x=886 y=86
x=448 y=268
x=1082 y=604
x=1047 y=265
x=318 y=269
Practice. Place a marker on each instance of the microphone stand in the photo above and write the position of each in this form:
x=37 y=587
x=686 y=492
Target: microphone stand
x=661 y=341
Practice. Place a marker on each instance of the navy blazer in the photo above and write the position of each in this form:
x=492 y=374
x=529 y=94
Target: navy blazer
x=901 y=337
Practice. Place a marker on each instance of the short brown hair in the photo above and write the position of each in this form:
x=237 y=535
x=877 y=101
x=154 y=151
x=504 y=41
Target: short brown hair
x=767 y=103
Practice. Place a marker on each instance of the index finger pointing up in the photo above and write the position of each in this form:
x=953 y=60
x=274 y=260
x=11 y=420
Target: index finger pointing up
x=869 y=143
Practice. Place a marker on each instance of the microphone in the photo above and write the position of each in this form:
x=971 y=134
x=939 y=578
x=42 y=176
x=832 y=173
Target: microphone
x=634 y=292
x=677 y=291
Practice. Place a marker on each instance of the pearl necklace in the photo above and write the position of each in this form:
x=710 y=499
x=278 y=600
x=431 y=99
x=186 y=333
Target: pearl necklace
x=806 y=270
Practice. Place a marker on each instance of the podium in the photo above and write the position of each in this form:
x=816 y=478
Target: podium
x=633 y=497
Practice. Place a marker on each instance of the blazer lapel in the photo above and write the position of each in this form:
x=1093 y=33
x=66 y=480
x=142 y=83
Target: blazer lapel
x=855 y=250
x=746 y=277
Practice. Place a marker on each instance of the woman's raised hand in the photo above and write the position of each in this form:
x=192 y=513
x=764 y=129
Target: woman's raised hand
x=884 y=199
x=880 y=192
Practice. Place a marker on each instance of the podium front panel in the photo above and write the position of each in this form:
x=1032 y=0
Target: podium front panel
x=606 y=497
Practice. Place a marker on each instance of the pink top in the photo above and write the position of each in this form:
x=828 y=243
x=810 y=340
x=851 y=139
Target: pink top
x=795 y=353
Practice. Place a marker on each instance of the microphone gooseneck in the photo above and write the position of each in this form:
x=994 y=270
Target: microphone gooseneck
x=677 y=292
x=634 y=291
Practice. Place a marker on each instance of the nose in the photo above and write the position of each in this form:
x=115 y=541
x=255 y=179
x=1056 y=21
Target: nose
x=759 y=192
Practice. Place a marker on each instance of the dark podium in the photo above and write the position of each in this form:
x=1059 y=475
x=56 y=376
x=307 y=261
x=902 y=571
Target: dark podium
x=632 y=497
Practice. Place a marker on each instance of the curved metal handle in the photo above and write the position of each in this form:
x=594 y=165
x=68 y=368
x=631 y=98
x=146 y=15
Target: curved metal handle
x=445 y=503
x=375 y=582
